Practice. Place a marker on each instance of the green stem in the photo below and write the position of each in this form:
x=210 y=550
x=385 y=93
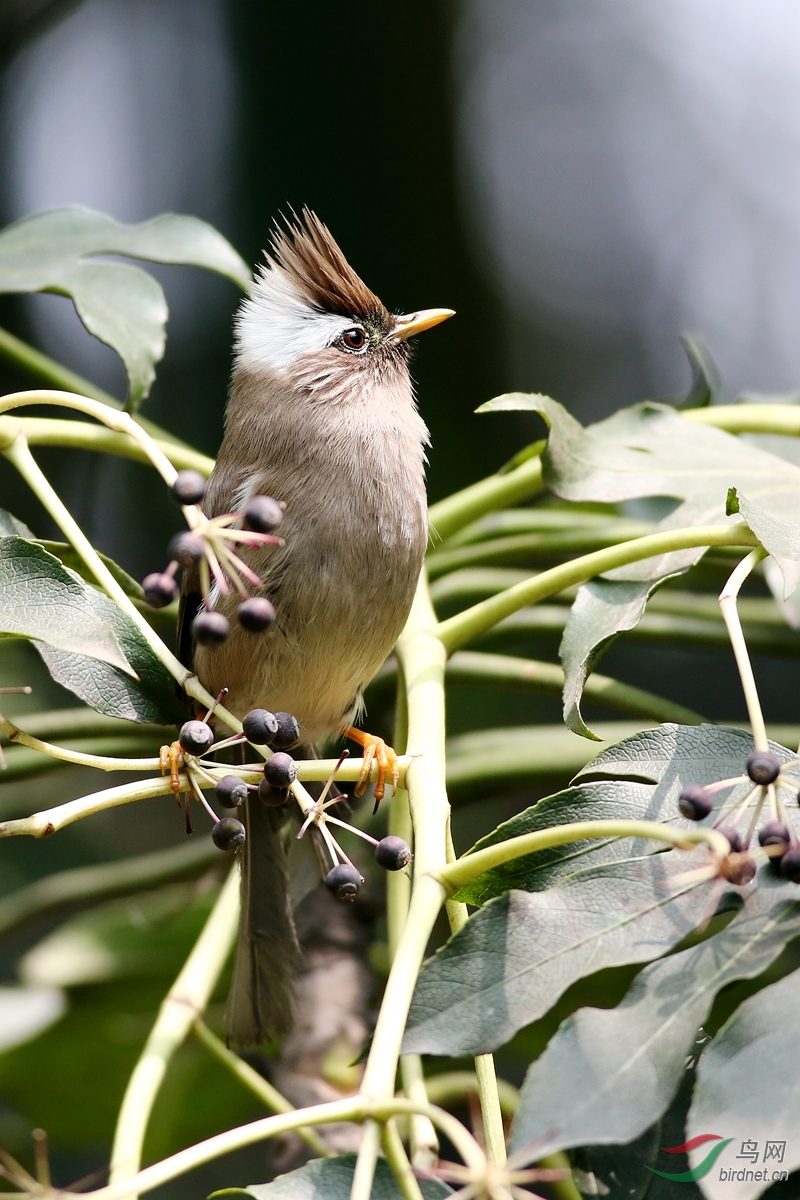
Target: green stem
x=728 y=607
x=19 y=454
x=352 y=1108
x=50 y=820
x=52 y=372
x=748 y=418
x=186 y=1000
x=485 y=1074
x=269 y=1095
x=82 y=887
x=99 y=761
x=423 y=659
x=471 y=667
x=531 y=547
x=456 y=874
x=498 y=491
x=398 y=1160
x=465 y=626
x=451 y=1087
x=80 y=435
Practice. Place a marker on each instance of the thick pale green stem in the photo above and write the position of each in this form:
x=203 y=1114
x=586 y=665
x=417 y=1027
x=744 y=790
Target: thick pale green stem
x=467 y=625
x=42 y=824
x=80 y=435
x=395 y=1153
x=748 y=418
x=261 y=1087
x=185 y=1001
x=497 y=491
x=456 y=874
x=423 y=659
x=728 y=607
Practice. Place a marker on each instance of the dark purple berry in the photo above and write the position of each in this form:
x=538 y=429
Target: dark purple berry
x=189 y=487
x=187 y=547
x=272 y=796
x=159 y=590
x=231 y=791
x=742 y=871
x=256 y=615
x=288 y=733
x=763 y=767
x=262 y=514
x=343 y=881
x=259 y=726
x=280 y=770
x=790 y=865
x=694 y=802
x=210 y=628
x=196 y=737
x=392 y=853
x=733 y=836
x=229 y=834
x=774 y=833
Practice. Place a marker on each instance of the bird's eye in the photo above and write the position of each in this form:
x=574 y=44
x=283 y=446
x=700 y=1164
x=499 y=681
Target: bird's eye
x=354 y=339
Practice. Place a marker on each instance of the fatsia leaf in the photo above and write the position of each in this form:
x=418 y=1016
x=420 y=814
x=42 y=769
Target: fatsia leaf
x=605 y=800
x=602 y=610
x=332 y=1179
x=42 y=600
x=639 y=778
x=120 y=304
x=151 y=697
x=610 y=1073
x=747 y=1087
x=69 y=556
x=649 y=450
x=511 y=961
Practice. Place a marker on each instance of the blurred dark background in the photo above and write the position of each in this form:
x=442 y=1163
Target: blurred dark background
x=582 y=181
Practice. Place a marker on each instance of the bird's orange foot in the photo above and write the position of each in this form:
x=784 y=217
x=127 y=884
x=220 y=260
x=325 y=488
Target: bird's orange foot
x=171 y=759
x=375 y=749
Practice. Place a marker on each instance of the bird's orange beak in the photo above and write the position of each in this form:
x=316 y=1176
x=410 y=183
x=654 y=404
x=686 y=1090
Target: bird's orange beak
x=413 y=323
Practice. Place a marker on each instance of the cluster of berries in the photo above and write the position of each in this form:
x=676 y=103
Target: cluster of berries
x=279 y=731
x=777 y=837
x=206 y=545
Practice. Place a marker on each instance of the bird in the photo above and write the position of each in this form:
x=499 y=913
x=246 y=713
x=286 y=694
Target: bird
x=321 y=416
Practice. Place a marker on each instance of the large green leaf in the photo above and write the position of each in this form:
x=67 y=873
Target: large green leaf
x=639 y=778
x=120 y=304
x=602 y=610
x=332 y=1179
x=512 y=960
x=150 y=697
x=610 y=1073
x=645 y=451
x=42 y=600
x=747 y=1087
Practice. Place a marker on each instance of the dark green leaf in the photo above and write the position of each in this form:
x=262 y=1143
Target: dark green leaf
x=609 y=1074
x=40 y=599
x=512 y=960
x=747 y=1087
x=602 y=610
x=674 y=755
x=649 y=450
x=152 y=697
x=69 y=556
x=332 y=1179
x=706 y=382
x=621 y=801
x=120 y=304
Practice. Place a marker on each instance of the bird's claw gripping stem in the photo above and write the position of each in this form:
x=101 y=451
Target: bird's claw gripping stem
x=171 y=759
x=375 y=749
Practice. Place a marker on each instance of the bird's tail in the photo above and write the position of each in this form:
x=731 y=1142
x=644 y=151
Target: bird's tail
x=267 y=954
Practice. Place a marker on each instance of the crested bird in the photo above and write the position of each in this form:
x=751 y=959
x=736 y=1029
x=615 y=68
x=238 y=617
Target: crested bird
x=321 y=416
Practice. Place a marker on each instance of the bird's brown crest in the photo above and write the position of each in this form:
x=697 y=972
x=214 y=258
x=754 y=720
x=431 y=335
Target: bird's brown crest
x=310 y=256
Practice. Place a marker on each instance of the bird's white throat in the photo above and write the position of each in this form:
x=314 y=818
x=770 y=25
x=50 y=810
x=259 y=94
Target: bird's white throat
x=275 y=325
